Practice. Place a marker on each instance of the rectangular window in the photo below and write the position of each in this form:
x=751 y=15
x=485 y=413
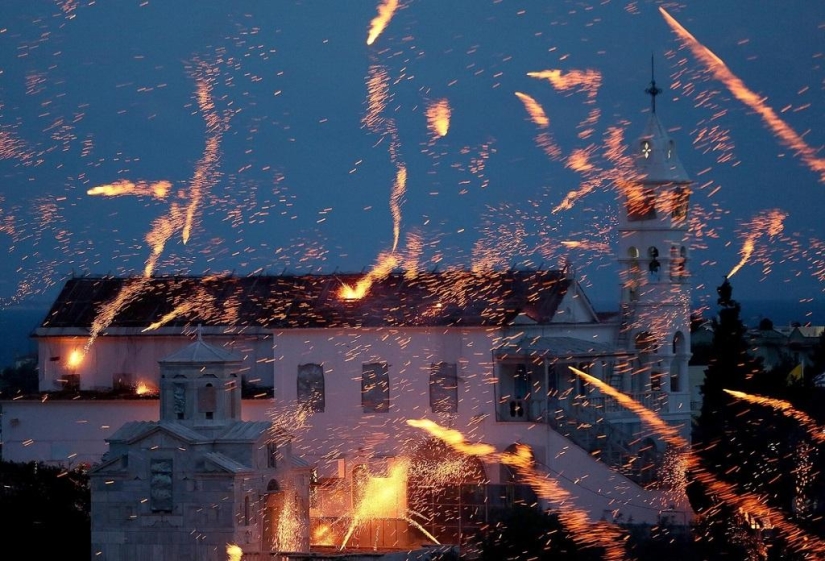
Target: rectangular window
x=271 y=455
x=160 y=485
x=375 y=387
x=311 y=387
x=443 y=388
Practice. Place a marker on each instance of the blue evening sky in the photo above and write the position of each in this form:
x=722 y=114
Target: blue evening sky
x=95 y=92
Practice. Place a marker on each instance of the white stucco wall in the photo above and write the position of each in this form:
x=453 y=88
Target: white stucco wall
x=71 y=432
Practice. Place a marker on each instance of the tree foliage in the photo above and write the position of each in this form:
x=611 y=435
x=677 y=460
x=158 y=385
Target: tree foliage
x=753 y=448
x=46 y=510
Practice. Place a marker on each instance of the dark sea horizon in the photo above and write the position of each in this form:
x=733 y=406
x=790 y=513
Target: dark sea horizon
x=17 y=323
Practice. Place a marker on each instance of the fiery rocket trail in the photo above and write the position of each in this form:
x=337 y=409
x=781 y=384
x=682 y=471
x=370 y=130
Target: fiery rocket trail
x=575 y=520
x=721 y=72
x=380 y=22
x=787 y=409
x=745 y=502
x=770 y=223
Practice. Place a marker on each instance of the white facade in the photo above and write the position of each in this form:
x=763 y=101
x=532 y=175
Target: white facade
x=487 y=355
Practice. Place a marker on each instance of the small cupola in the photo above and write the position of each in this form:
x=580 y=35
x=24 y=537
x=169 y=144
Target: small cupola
x=656 y=159
x=200 y=385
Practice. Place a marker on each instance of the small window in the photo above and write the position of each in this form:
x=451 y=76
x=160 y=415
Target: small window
x=633 y=252
x=443 y=388
x=311 y=387
x=271 y=454
x=680 y=199
x=641 y=203
x=375 y=387
x=207 y=400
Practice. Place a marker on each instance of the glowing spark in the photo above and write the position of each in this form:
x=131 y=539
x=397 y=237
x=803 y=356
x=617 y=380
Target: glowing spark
x=158 y=189
x=535 y=110
x=395 y=203
x=452 y=437
x=787 y=409
x=290 y=526
x=386 y=263
x=233 y=552
x=75 y=358
x=380 y=22
x=383 y=497
x=743 y=501
x=144 y=389
x=205 y=173
x=438 y=117
x=574 y=519
x=720 y=71
x=586 y=80
x=770 y=222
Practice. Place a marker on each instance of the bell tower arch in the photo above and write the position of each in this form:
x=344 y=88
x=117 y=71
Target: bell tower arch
x=654 y=259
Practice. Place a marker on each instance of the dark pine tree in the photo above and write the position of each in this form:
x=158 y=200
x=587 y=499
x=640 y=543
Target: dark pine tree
x=721 y=435
x=753 y=448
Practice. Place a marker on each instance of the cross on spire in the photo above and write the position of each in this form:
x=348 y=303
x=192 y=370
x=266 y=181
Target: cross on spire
x=652 y=91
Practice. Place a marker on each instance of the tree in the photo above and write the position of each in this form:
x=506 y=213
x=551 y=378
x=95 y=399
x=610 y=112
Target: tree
x=753 y=448
x=19 y=380
x=524 y=532
x=42 y=502
x=722 y=433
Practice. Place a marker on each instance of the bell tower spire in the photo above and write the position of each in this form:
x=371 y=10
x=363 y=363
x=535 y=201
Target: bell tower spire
x=654 y=263
x=652 y=90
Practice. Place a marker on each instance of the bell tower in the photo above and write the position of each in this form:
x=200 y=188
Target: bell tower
x=654 y=261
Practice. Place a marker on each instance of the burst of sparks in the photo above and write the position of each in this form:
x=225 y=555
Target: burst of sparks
x=745 y=502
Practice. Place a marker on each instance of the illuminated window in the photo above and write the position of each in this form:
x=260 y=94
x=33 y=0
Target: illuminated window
x=680 y=200
x=641 y=204
x=311 y=387
x=647 y=149
x=443 y=388
x=160 y=485
x=375 y=387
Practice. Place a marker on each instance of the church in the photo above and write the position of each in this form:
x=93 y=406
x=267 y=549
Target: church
x=485 y=353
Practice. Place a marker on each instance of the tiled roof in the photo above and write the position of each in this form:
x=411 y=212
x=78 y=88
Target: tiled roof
x=569 y=347
x=312 y=301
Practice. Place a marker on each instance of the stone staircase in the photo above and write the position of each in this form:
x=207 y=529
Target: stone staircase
x=607 y=442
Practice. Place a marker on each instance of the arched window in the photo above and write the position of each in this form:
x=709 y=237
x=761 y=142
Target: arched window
x=443 y=388
x=375 y=387
x=360 y=478
x=654 y=266
x=311 y=387
x=676 y=366
x=679 y=203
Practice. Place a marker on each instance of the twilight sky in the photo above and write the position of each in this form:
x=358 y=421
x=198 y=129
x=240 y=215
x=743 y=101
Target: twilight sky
x=268 y=136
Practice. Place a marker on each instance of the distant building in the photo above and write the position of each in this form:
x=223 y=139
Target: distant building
x=783 y=345
x=487 y=353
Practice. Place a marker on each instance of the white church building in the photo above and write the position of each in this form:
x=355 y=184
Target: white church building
x=485 y=353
